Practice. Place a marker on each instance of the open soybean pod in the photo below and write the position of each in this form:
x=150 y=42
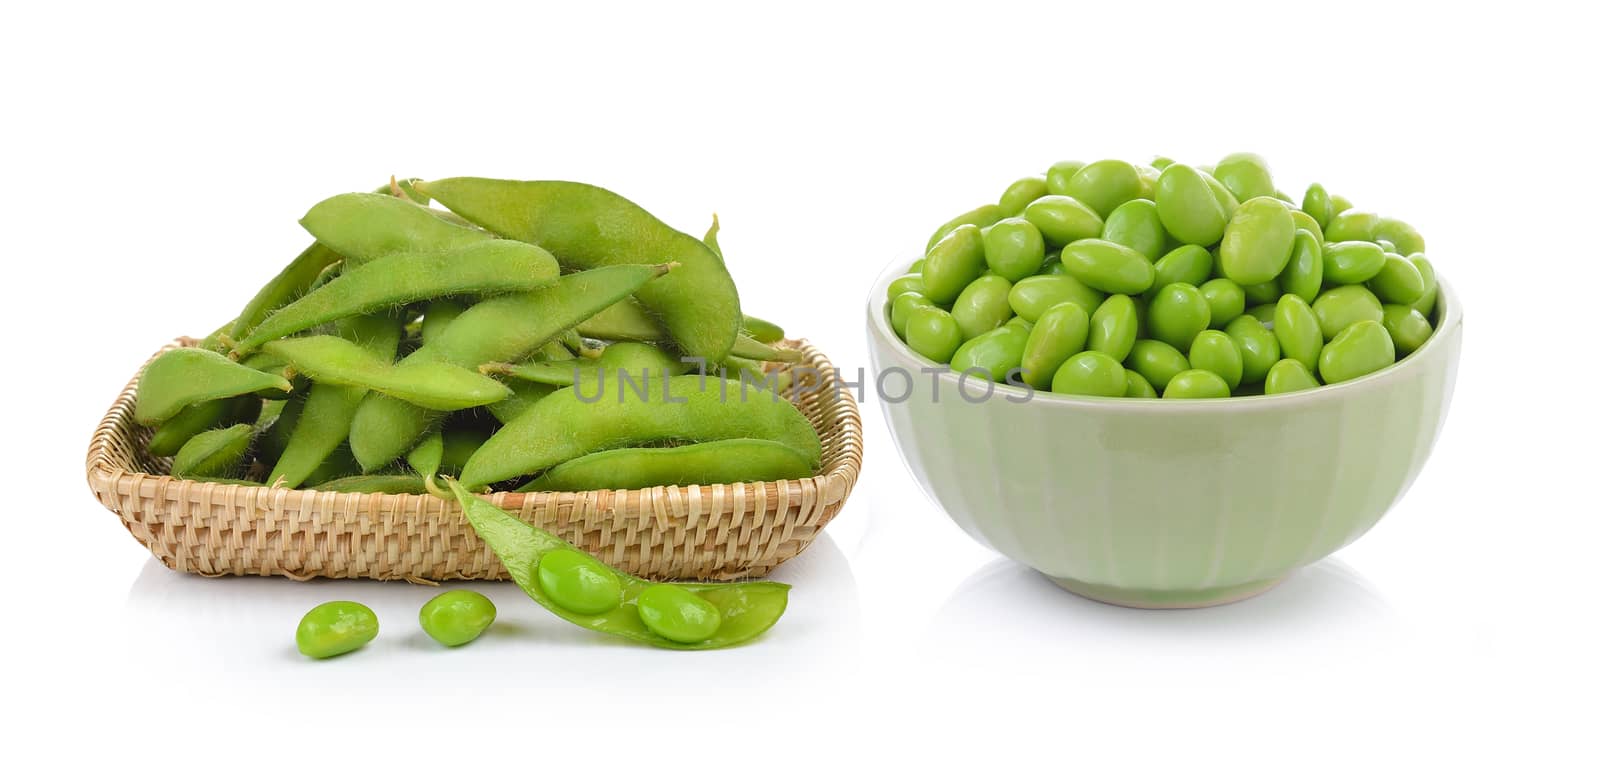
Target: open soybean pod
x=587 y=226
x=743 y=610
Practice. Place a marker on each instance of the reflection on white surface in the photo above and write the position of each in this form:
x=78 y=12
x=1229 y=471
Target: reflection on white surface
x=245 y=626
x=1014 y=614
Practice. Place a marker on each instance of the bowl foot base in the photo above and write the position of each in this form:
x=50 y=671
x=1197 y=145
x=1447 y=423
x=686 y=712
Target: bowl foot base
x=1164 y=599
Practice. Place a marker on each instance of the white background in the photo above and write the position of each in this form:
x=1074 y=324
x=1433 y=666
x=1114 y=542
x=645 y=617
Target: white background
x=155 y=160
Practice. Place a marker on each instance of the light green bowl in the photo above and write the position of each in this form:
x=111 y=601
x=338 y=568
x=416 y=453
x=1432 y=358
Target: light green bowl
x=1156 y=503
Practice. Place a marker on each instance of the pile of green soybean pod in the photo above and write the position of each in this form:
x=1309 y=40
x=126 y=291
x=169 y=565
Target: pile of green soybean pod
x=540 y=335
x=1138 y=280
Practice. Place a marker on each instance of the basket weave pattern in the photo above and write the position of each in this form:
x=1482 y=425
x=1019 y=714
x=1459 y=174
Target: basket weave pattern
x=717 y=532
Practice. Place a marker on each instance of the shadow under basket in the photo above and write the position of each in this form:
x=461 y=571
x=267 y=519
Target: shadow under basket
x=716 y=532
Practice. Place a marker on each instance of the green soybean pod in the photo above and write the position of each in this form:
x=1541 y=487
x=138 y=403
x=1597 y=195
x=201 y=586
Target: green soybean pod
x=1189 y=211
x=1196 y=384
x=214 y=453
x=296 y=278
x=1225 y=299
x=1063 y=219
x=434 y=385
x=383 y=483
x=1399 y=282
x=1258 y=348
x=953 y=262
x=1137 y=225
x=1055 y=179
x=1303 y=274
x=901 y=308
x=1245 y=175
x=1362 y=347
x=1185 y=264
x=684 y=408
x=904 y=284
x=1351 y=225
x=587 y=227
x=934 y=334
x=1090 y=373
x=437 y=316
x=181 y=377
x=1215 y=350
x=1107 y=266
x=362 y=227
x=199 y=417
x=1405 y=238
x=1139 y=388
x=1430 y=284
x=1062 y=331
x=1031 y=296
x=1407 y=327
x=335 y=628
x=1178 y=313
x=676 y=614
x=1298 y=332
x=1349 y=262
x=981 y=217
x=1289 y=375
x=456 y=617
x=1156 y=362
x=1344 y=306
x=1021 y=193
x=1318 y=204
x=1114 y=327
x=729 y=461
x=1013 y=248
x=492 y=266
x=982 y=305
x=994 y=354
x=1257 y=242
x=761 y=330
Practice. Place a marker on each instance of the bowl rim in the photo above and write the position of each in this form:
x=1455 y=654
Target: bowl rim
x=882 y=334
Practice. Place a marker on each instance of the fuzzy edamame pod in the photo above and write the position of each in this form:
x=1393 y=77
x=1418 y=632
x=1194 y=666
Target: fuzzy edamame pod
x=324 y=421
x=587 y=226
x=762 y=330
x=744 y=610
x=434 y=385
x=729 y=461
x=202 y=416
x=288 y=285
x=397 y=483
x=689 y=408
x=502 y=329
x=365 y=226
x=634 y=359
x=750 y=348
x=625 y=320
x=493 y=266
x=215 y=453
x=185 y=376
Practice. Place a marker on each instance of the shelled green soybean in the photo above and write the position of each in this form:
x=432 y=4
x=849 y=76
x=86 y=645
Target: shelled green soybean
x=1119 y=279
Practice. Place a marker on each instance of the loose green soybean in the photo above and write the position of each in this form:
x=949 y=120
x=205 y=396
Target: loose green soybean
x=1061 y=332
x=1344 y=306
x=456 y=617
x=1215 y=350
x=1399 y=282
x=1189 y=210
x=1257 y=241
x=1108 y=266
x=1407 y=327
x=1013 y=248
x=743 y=611
x=1299 y=334
x=992 y=355
x=1104 y=185
x=1178 y=313
x=335 y=628
x=1063 y=219
x=983 y=305
x=1302 y=276
x=1030 y=297
x=1185 y=264
x=1289 y=375
x=952 y=263
x=1361 y=348
x=934 y=334
x=1258 y=347
x=1056 y=178
x=1245 y=175
x=1196 y=384
x=1350 y=262
x=1090 y=373
x=1157 y=362
x=1225 y=299
x=902 y=306
x=1137 y=225
x=1114 y=327
x=981 y=217
x=586 y=226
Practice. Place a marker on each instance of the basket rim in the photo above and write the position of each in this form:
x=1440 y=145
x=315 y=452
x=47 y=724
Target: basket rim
x=839 y=479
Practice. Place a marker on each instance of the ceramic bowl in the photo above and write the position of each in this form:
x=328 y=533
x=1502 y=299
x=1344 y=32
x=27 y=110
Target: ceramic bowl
x=1158 y=503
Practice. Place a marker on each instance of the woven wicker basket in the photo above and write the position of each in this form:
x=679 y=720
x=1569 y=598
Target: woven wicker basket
x=716 y=532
